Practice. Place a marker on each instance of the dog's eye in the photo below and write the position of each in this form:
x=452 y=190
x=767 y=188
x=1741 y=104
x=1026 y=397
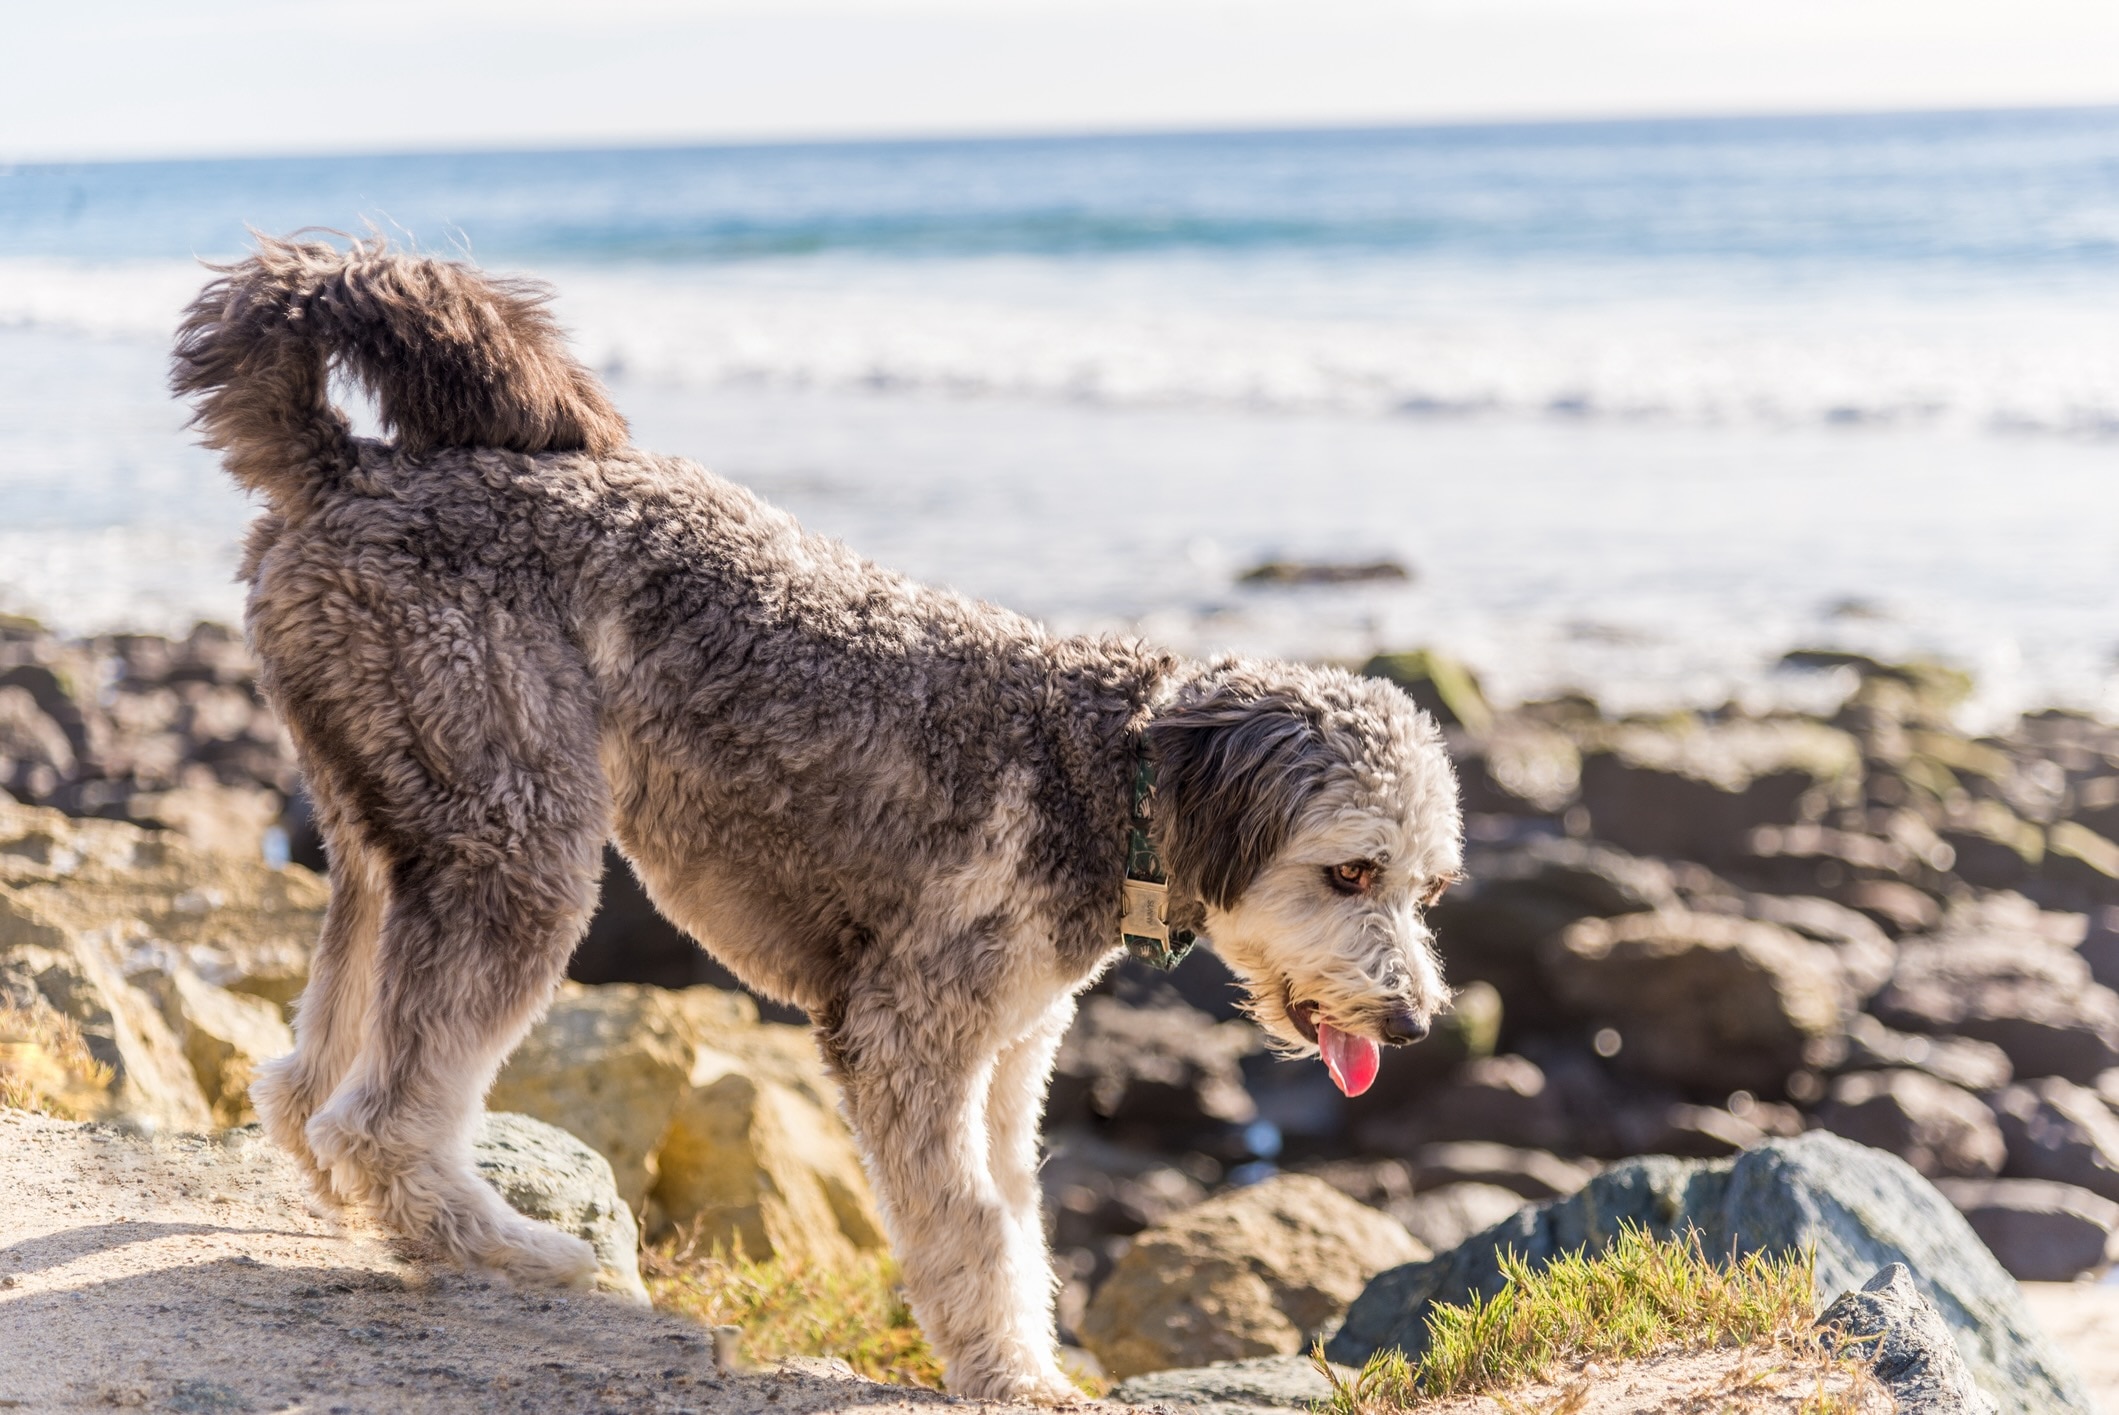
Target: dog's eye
x=1436 y=888
x=1353 y=877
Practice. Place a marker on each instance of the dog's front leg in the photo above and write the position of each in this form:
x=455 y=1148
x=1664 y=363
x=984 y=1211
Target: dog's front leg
x=976 y=1272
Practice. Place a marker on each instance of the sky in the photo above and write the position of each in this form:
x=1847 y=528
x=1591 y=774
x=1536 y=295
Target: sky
x=93 y=79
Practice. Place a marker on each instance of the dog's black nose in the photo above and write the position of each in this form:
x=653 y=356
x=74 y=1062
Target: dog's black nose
x=1404 y=1027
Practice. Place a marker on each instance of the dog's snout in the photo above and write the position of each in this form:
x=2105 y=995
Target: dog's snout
x=1403 y=1027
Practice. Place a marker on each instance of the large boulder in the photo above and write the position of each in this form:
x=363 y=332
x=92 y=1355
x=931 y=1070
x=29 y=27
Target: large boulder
x=2060 y=1131
x=547 y=1174
x=609 y=1064
x=1256 y=1272
x=2041 y=1231
x=1860 y=1209
x=1263 y=1383
x=1704 y=1000
x=1696 y=789
x=1930 y=1124
x=713 y=1121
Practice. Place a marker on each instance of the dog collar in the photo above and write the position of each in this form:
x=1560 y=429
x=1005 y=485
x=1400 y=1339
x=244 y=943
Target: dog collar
x=1145 y=925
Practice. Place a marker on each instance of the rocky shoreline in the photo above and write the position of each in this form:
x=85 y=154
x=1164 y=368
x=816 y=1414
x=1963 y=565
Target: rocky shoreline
x=1686 y=936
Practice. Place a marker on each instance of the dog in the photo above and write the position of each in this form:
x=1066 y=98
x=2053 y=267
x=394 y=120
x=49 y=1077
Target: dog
x=504 y=635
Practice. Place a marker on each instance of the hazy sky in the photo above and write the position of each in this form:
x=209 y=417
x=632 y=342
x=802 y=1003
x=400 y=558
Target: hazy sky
x=105 y=78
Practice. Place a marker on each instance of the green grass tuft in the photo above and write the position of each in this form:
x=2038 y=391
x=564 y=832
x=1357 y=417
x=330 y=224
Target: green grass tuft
x=1641 y=1297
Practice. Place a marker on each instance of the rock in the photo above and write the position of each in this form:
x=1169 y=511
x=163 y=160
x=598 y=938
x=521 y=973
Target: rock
x=1992 y=848
x=1255 y=1272
x=35 y=755
x=1519 y=768
x=2041 y=1231
x=1899 y=909
x=1933 y=1126
x=1693 y=1132
x=239 y=922
x=1907 y=1345
x=1444 y=1216
x=1819 y=859
x=76 y=973
x=1443 y=687
x=1289 y=574
x=2032 y=998
x=225 y=1035
x=608 y=1064
x=1696 y=790
x=710 y=1119
x=1232 y=1387
x=1865 y=956
x=1168 y=1069
x=2100 y=945
x=1530 y=1173
x=1491 y=928
x=1861 y=1209
x=545 y=1173
x=1500 y=1098
x=2060 y=1131
x=1704 y=1000
x=2081 y=866
x=216 y=819
x=1962 y=1062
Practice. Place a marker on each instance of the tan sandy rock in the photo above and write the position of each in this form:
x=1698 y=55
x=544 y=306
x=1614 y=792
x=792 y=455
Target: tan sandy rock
x=225 y=1035
x=1254 y=1272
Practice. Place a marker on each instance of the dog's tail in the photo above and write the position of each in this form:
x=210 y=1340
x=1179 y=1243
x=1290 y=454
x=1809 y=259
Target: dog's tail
x=453 y=358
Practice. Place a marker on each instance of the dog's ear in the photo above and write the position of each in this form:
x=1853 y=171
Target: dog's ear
x=1232 y=772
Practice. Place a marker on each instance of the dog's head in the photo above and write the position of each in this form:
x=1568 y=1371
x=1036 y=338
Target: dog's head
x=1311 y=817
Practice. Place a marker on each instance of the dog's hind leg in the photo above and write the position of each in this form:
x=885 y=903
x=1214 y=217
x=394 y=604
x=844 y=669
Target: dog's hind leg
x=486 y=903
x=918 y=1090
x=332 y=1015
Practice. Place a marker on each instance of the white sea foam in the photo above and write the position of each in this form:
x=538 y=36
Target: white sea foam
x=2028 y=365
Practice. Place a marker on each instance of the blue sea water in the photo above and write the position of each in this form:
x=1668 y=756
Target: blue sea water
x=1644 y=403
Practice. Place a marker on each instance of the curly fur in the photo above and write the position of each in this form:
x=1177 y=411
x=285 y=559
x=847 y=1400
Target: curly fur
x=503 y=636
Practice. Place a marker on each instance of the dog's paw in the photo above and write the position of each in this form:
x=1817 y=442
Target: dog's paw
x=282 y=1107
x=539 y=1255
x=1046 y=1387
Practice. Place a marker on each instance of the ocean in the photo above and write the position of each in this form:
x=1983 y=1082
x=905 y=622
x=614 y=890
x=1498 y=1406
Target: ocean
x=1641 y=405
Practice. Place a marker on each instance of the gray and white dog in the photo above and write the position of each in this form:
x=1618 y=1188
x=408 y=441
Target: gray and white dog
x=505 y=635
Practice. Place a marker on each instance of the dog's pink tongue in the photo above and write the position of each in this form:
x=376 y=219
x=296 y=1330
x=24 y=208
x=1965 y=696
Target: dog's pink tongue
x=1351 y=1060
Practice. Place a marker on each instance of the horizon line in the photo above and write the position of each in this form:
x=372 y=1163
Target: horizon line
x=1032 y=135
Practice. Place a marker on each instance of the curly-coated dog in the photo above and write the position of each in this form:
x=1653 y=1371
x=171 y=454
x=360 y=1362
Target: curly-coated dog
x=505 y=635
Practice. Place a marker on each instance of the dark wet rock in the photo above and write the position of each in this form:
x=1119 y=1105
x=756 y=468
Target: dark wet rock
x=2041 y=1231
x=1704 y=1000
x=1165 y=1069
x=1490 y=929
x=1532 y=1173
x=1297 y=573
x=1697 y=790
x=2012 y=987
x=2057 y=1130
x=1973 y=1066
x=1892 y=1325
x=1861 y=1209
x=1992 y=848
x=1937 y=1128
x=2081 y=867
